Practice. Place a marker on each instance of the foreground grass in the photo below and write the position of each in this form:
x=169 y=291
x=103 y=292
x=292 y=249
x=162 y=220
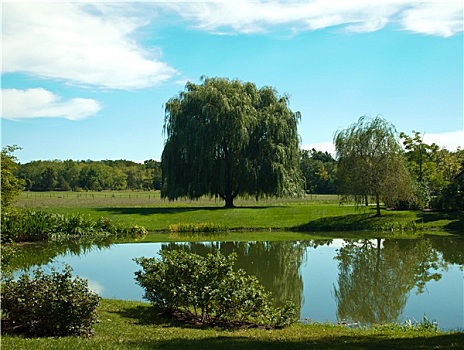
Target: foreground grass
x=133 y=325
x=316 y=213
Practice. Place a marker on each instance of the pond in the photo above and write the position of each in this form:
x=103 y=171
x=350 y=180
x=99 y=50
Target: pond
x=354 y=281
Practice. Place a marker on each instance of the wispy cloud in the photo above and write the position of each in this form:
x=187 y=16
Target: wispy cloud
x=80 y=43
x=435 y=18
x=449 y=140
x=432 y=18
x=37 y=103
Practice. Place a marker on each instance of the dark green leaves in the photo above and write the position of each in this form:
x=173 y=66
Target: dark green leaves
x=226 y=138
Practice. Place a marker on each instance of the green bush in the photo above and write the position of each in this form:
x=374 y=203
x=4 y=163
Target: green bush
x=210 y=288
x=52 y=304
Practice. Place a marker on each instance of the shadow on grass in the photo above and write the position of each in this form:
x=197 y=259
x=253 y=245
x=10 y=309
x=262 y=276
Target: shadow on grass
x=351 y=222
x=456 y=217
x=146 y=315
x=168 y=210
x=451 y=341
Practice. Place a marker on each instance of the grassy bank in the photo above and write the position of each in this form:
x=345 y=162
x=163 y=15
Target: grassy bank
x=132 y=325
x=316 y=213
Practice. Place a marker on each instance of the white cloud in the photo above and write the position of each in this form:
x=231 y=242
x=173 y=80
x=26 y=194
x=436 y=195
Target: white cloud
x=38 y=102
x=449 y=140
x=80 y=43
x=433 y=18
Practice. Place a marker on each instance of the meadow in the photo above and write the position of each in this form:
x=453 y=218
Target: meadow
x=313 y=214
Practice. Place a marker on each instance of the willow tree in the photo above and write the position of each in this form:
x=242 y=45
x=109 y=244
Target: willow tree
x=227 y=138
x=371 y=163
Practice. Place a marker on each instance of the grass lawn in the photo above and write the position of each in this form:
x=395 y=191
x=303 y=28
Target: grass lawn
x=133 y=325
x=313 y=213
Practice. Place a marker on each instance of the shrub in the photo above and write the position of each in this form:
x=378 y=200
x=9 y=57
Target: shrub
x=52 y=304
x=209 y=287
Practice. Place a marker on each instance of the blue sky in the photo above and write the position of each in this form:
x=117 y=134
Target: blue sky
x=87 y=80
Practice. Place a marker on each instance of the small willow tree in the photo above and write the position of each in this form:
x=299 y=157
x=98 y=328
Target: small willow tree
x=371 y=163
x=225 y=138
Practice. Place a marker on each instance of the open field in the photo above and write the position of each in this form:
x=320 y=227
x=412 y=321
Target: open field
x=313 y=213
x=133 y=325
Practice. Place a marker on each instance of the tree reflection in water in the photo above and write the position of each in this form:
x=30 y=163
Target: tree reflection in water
x=275 y=264
x=375 y=277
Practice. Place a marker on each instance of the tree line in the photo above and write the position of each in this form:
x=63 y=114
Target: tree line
x=71 y=175
x=433 y=170
x=317 y=167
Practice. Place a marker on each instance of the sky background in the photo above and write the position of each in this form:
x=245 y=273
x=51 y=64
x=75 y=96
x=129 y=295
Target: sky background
x=88 y=80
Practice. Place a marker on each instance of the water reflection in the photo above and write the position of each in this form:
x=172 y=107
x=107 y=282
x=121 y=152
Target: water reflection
x=367 y=281
x=376 y=276
x=275 y=264
x=24 y=256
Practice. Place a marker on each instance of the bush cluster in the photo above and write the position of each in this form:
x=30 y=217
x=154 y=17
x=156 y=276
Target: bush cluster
x=29 y=225
x=52 y=304
x=210 y=288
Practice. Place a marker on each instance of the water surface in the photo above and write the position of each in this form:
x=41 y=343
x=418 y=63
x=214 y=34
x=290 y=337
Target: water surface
x=363 y=281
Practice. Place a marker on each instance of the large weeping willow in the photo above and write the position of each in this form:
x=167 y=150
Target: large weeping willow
x=227 y=138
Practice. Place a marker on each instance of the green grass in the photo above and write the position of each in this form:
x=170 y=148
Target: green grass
x=133 y=325
x=316 y=213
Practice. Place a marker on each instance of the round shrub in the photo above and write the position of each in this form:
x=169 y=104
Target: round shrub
x=52 y=304
x=210 y=287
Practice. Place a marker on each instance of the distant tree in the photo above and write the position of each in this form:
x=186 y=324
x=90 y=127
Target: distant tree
x=11 y=185
x=419 y=154
x=154 y=167
x=225 y=138
x=371 y=163
x=48 y=179
x=435 y=170
x=318 y=169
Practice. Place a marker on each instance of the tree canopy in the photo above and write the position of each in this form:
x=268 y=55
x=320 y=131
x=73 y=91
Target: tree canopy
x=225 y=138
x=371 y=163
x=57 y=175
x=11 y=185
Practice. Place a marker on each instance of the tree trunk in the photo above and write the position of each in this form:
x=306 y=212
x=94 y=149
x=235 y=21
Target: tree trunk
x=229 y=201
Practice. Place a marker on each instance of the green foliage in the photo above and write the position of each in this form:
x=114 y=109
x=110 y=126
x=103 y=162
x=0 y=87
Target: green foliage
x=435 y=170
x=319 y=171
x=226 y=138
x=371 y=164
x=210 y=287
x=29 y=225
x=206 y=227
x=72 y=175
x=52 y=304
x=11 y=186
